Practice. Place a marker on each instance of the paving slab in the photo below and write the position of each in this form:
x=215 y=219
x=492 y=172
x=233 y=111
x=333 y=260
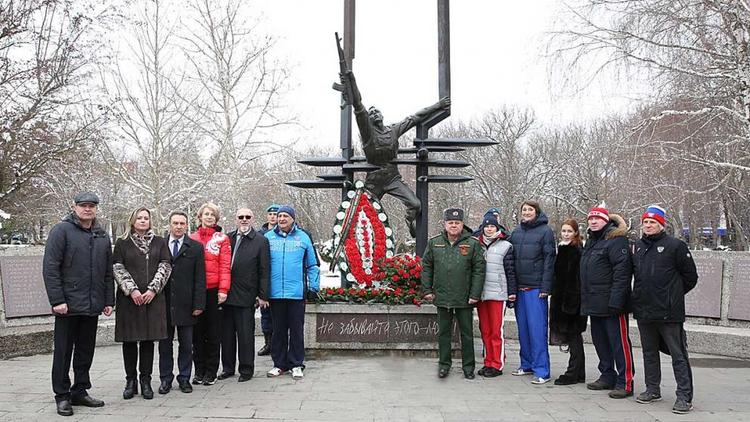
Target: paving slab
x=388 y=389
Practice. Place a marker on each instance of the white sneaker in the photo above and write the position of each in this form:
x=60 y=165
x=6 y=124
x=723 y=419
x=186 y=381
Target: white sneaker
x=519 y=372
x=540 y=380
x=297 y=373
x=275 y=372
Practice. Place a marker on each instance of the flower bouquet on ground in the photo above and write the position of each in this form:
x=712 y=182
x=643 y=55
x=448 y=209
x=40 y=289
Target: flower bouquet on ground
x=397 y=282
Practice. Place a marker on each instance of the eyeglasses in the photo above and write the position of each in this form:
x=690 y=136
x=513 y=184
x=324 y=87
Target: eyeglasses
x=244 y=217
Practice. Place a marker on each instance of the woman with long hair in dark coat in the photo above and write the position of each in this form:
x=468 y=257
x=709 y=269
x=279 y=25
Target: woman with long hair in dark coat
x=566 y=323
x=141 y=268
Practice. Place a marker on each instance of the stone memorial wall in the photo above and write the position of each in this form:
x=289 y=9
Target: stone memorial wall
x=23 y=287
x=705 y=299
x=739 y=296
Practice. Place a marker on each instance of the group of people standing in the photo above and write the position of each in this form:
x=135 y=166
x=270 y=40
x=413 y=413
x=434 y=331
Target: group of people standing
x=205 y=287
x=604 y=279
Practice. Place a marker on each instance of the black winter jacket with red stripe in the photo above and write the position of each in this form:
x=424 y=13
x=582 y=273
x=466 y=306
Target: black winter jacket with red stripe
x=606 y=271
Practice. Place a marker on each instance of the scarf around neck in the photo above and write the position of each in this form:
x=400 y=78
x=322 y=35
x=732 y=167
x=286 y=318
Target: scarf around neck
x=487 y=240
x=142 y=242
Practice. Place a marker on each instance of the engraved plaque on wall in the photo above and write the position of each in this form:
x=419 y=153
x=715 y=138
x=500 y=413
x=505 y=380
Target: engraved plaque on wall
x=705 y=299
x=378 y=328
x=739 y=296
x=23 y=288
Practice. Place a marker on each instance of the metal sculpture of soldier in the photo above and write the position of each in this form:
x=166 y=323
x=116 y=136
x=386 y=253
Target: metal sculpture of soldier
x=380 y=144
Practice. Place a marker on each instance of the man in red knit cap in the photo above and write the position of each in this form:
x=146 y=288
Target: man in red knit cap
x=606 y=273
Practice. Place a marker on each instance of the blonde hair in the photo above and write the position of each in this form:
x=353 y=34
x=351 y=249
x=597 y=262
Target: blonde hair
x=213 y=207
x=131 y=221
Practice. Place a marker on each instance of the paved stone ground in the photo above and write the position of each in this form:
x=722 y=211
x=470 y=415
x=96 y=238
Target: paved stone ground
x=377 y=389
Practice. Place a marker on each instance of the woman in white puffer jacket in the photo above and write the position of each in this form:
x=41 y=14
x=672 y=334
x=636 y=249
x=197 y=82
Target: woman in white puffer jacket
x=499 y=287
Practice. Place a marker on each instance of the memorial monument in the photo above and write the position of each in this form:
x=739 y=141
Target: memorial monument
x=380 y=141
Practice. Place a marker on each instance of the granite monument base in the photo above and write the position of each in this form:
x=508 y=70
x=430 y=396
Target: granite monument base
x=36 y=339
x=375 y=329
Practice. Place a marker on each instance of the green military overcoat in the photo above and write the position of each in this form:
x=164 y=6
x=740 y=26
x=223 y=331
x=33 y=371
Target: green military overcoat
x=454 y=273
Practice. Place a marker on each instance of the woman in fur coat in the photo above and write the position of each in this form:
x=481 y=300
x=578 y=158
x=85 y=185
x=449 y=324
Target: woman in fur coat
x=565 y=322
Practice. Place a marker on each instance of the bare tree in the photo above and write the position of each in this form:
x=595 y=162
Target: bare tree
x=696 y=55
x=46 y=49
x=501 y=172
x=242 y=85
x=154 y=145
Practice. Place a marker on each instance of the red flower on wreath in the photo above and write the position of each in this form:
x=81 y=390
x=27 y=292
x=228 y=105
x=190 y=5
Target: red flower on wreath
x=371 y=249
x=393 y=289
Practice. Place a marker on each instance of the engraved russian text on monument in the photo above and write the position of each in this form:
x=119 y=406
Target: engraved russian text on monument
x=23 y=287
x=705 y=299
x=376 y=328
x=739 y=297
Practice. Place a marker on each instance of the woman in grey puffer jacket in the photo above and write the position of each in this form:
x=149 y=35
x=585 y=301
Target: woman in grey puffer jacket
x=499 y=286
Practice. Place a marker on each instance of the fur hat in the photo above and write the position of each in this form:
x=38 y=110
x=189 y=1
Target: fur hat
x=452 y=214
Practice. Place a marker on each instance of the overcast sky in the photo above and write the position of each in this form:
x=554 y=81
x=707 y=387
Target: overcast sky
x=497 y=59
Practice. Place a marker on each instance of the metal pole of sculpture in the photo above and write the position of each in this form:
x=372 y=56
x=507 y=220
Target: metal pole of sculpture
x=347 y=55
x=444 y=90
x=380 y=143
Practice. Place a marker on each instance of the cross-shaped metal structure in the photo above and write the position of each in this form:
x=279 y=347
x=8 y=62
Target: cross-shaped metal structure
x=423 y=144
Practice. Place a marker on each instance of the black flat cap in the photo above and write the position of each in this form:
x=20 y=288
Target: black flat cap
x=86 y=197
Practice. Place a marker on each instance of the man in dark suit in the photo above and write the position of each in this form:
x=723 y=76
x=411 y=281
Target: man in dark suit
x=250 y=270
x=186 y=299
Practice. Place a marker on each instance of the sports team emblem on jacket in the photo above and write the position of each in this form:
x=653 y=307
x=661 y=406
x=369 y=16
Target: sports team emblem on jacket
x=212 y=246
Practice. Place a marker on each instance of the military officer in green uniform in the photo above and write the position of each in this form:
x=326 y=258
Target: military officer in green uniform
x=453 y=277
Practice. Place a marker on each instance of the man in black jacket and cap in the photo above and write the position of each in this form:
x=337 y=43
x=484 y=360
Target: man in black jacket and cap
x=664 y=273
x=250 y=272
x=186 y=299
x=606 y=273
x=77 y=272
